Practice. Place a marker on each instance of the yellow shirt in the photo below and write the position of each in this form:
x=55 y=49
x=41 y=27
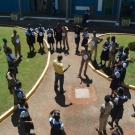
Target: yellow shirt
x=58 y=67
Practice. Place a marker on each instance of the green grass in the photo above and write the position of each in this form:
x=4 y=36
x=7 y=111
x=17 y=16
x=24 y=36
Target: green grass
x=123 y=40
x=30 y=68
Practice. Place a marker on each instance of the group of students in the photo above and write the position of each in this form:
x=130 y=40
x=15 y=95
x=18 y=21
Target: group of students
x=110 y=49
x=59 y=34
x=14 y=85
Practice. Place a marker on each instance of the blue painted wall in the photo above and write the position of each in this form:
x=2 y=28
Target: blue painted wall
x=13 y=6
x=9 y=6
x=88 y=3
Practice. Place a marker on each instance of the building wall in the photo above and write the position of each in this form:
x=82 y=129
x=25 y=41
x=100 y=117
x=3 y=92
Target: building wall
x=9 y=6
x=77 y=4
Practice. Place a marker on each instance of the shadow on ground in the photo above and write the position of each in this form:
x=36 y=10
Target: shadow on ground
x=60 y=99
x=86 y=81
x=31 y=55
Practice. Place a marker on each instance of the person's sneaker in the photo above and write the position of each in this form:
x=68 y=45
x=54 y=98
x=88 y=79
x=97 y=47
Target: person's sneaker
x=133 y=115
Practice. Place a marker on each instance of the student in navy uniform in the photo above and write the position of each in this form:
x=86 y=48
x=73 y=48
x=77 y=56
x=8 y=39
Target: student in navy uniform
x=116 y=79
x=30 y=36
x=77 y=30
x=85 y=18
x=105 y=52
x=58 y=35
x=124 y=64
x=118 y=58
x=50 y=38
x=126 y=52
x=40 y=38
x=25 y=118
x=12 y=61
x=57 y=127
x=19 y=94
x=85 y=37
x=117 y=111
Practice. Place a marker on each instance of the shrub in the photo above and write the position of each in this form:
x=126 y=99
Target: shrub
x=131 y=46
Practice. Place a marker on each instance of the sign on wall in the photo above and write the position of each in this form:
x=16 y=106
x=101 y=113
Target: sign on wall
x=100 y=4
x=56 y=4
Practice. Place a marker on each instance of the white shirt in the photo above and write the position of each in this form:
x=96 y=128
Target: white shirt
x=86 y=35
x=23 y=114
x=117 y=99
x=117 y=74
x=124 y=64
x=56 y=123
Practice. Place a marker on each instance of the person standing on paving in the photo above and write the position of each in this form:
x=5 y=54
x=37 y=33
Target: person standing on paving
x=58 y=35
x=105 y=112
x=85 y=37
x=117 y=111
x=116 y=79
x=65 y=37
x=95 y=40
x=86 y=52
x=25 y=118
x=59 y=73
x=16 y=42
x=77 y=37
x=57 y=127
x=113 y=48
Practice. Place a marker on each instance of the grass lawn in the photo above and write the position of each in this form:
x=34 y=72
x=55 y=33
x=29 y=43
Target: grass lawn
x=30 y=67
x=123 y=40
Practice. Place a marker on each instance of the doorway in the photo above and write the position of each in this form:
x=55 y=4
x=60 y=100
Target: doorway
x=109 y=7
x=63 y=6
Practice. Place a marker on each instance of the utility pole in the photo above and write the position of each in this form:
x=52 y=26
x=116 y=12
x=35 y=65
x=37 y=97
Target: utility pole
x=118 y=12
x=21 y=9
x=67 y=19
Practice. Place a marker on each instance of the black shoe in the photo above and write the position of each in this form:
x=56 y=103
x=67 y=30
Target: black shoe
x=61 y=92
x=133 y=106
x=56 y=87
x=95 y=61
x=104 y=132
x=109 y=122
x=133 y=115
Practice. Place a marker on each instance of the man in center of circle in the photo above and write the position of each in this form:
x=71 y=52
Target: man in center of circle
x=59 y=73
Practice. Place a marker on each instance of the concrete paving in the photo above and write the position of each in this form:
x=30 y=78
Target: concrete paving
x=81 y=118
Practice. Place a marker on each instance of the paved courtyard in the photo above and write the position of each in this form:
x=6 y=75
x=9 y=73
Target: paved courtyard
x=82 y=116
